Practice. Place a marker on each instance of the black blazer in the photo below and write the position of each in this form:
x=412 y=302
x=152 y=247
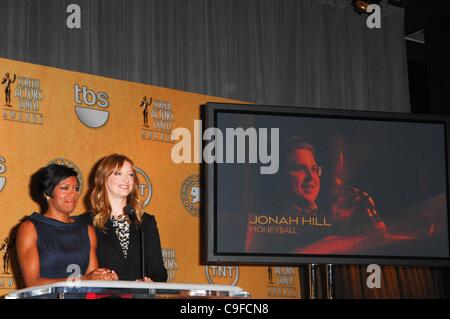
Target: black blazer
x=109 y=251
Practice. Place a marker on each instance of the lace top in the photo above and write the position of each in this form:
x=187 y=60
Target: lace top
x=122 y=229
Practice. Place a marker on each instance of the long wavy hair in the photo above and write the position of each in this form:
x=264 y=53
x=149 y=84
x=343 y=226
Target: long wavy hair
x=101 y=207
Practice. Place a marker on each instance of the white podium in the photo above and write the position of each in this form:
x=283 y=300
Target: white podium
x=90 y=289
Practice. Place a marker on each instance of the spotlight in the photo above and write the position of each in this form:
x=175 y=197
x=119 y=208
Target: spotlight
x=360 y=6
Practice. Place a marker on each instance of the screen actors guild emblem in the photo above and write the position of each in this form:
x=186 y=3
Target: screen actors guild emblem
x=281 y=282
x=7 y=81
x=28 y=98
x=270 y=273
x=170 y=262
x=63 y=161
x=6 y=246
x=145 y=103
x=161 y=116
x=190 y=194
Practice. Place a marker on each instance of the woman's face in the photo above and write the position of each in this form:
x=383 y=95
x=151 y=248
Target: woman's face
x=121 y=181
x=65 y=195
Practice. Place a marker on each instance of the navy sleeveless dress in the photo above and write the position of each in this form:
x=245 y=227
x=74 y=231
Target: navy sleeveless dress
x=60 y=245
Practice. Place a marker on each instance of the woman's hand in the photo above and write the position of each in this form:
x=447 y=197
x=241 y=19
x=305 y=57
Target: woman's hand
x=101 y=274
x=146 y=279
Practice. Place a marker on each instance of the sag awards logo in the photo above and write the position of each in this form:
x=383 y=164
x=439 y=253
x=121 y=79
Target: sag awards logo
x=222 y=275
x=65 y=162
x=170 y=262
x=2 y=170
x=7 y=281
x=281 y=282
x=145 y=187
x=6 y=246
x=190 y=194
x=23 y=98
x=162 y=117
x=87 y=106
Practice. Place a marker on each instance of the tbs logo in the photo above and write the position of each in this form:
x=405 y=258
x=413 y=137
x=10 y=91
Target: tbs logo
x=90 y=115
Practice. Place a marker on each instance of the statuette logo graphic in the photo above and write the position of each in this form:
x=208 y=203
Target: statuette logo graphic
x=7 y=81
x=23 y=101
x=6 y=246
x=161 y=114
x=145 y=103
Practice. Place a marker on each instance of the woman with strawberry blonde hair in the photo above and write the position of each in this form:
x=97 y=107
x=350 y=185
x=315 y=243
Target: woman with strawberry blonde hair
x=113 y=195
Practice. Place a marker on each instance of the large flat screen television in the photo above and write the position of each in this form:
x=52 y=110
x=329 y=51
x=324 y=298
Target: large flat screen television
x=287 y=185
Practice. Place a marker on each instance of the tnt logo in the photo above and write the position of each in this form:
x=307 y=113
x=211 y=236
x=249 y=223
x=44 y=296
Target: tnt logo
x=223 y=275
x=145 y=187
x=87 y=100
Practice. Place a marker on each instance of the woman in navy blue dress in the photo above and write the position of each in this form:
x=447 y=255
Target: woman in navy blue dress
x=54 y=246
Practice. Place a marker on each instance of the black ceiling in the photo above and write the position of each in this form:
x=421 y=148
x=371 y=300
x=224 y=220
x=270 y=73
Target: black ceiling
x=420 y=12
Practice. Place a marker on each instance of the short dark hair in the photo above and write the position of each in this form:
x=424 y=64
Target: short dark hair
x=51 y=175
x=299 y=142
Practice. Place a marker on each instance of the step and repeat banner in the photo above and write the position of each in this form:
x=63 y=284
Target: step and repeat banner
x=52 y=115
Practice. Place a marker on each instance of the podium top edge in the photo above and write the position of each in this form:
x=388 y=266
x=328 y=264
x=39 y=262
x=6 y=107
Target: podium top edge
x=121 y=284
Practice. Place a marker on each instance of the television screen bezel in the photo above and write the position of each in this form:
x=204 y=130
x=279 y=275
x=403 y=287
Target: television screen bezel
x=210 y=255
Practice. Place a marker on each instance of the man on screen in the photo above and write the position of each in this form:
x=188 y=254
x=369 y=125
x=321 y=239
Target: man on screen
x=304 y=174
x=346 y=222
x=295 y=218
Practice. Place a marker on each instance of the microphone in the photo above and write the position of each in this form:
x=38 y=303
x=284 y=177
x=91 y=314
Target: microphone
x=131 y=212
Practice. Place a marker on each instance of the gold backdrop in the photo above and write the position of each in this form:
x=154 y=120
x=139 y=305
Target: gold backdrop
x=57 y=115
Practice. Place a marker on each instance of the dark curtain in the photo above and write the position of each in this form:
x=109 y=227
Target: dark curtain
x=309 y=53
x=396 y=282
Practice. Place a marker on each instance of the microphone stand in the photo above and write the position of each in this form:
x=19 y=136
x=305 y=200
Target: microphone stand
x=132 y=215
x=142 y=251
